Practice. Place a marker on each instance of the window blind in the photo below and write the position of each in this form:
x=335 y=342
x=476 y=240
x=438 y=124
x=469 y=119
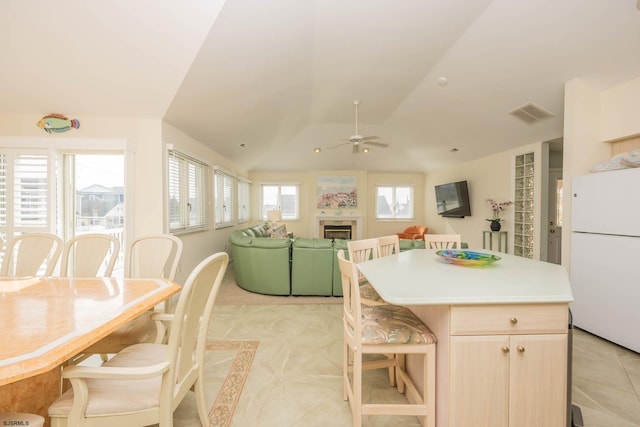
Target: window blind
x=223 y=214
x=244 y=208
x=188 y=204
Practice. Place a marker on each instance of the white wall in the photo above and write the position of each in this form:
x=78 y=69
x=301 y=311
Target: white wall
x=198 y=245
x=487 y=177
x=592 y=117
x=366 y=187
x=142 y=138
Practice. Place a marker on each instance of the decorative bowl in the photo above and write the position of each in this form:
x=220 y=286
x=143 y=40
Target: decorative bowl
x=467 y=258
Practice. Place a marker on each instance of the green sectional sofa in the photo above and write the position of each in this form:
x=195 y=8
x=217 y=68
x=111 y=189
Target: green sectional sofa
x=286 y=266
x=261 y=263
x=312 y=267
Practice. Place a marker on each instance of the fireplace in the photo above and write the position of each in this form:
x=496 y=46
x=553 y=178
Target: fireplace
x=348 y=227
x=337 y=232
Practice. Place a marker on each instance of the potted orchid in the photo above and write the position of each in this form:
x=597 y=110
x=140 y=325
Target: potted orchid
x=496 y=208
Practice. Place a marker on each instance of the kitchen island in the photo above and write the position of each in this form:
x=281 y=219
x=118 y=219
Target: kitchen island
x=502 y=334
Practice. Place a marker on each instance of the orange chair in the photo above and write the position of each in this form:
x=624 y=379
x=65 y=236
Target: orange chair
x=415 y=232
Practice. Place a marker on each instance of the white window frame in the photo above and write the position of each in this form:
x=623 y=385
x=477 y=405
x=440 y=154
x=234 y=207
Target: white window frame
x=10 y=191
x=394 y=216
x=188 y=182
x=279 y=202
x=224 y=196
x=244 y=200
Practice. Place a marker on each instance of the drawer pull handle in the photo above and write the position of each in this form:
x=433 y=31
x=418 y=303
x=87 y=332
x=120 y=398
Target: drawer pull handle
x=505 y=349
x=521 y=349
x=514 y=321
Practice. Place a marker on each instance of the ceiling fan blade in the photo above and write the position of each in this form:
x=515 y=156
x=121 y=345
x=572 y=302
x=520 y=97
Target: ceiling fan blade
x=356 y=149
x=338 y=145
x=369 y=138
x=376 y=144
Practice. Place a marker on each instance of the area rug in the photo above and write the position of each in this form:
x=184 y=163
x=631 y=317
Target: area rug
x=225 y=404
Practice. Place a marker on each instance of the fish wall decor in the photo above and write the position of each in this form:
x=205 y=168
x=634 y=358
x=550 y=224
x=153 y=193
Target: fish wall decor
x=57 y=123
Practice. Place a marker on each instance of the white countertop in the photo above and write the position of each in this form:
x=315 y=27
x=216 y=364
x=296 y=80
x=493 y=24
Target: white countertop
x=420 y=277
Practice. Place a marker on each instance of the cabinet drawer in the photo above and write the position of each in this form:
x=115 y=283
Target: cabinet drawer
x=509 y=319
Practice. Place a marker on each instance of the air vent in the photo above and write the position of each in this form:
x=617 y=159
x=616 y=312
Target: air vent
x=531 y=113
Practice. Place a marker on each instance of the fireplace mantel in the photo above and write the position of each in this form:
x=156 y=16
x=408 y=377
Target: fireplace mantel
x=354 y=220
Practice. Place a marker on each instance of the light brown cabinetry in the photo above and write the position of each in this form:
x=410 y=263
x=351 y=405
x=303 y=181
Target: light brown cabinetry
x=508 y=365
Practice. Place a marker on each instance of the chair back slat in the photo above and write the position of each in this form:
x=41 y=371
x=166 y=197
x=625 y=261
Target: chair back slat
x=442 y=241
x=153 y=256
x=362 y=250
x=31 y=254
x=351 y=299
x=188 y=333
x=388 y=245
x=89 y=255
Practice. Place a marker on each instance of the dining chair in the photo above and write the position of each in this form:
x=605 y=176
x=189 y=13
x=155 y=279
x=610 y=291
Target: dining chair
x=89 y=255
x=31 y=254
x=156 y=255
x=388 y=245
x=391 y=330
x=152 y=256
x=442 y=241
x=144 y=383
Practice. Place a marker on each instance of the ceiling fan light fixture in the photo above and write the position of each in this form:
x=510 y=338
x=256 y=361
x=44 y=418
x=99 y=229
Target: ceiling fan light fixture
x=357 y=140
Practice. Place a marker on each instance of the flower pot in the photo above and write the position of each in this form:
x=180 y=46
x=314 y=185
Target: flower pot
x=495 y=226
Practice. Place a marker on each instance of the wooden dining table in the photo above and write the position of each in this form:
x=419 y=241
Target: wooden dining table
x=46 y=321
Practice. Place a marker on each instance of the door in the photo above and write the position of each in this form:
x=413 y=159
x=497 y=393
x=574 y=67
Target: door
x=554 y=229
x=538 y=387
x=93 y=186
x=479 y=381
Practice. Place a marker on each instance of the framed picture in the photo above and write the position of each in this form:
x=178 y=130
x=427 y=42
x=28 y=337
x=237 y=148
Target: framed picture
x=337 y=192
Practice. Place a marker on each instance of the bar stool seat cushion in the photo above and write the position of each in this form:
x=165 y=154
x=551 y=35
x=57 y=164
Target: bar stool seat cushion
x=391 y=324
x=368 y=293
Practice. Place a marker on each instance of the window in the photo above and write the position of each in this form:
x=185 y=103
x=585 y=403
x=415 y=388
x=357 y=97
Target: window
x=25 y=193
x=223 y=198
x=93 y=197
x=280 y=196
x=394 y=202
x=244 y=196
x=559 y=184
x=188 y=204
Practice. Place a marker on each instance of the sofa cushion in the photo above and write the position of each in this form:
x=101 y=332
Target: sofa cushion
x=279 y=231
x=312 y=243
x=260 y=230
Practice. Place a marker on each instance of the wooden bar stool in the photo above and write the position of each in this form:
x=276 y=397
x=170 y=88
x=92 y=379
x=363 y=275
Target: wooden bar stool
x=391 y=330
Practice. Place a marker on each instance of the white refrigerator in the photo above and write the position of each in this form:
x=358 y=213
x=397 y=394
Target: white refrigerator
x=605 y=255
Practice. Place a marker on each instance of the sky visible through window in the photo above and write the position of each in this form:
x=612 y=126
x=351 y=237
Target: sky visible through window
x=106 y=170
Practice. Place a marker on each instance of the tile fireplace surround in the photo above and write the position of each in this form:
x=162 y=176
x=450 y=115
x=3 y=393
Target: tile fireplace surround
x=328 y=220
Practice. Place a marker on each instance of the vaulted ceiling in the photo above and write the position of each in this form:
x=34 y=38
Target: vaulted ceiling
x=263 y=83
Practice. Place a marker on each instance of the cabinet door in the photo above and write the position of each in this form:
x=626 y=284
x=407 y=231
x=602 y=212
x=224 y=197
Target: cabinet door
x=538 y=383
x=479 y=381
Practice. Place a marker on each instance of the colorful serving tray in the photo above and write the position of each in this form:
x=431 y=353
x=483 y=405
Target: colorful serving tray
x=467 y=258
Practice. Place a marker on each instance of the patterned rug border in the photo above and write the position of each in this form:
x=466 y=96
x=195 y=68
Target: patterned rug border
x=225 y=404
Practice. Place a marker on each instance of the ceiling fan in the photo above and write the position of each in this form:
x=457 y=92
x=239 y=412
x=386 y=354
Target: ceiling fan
x=357 y=140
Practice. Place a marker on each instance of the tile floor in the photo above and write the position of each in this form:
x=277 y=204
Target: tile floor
x=296 y=375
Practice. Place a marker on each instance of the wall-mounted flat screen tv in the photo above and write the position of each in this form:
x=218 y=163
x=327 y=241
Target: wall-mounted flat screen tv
x=452 y=200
